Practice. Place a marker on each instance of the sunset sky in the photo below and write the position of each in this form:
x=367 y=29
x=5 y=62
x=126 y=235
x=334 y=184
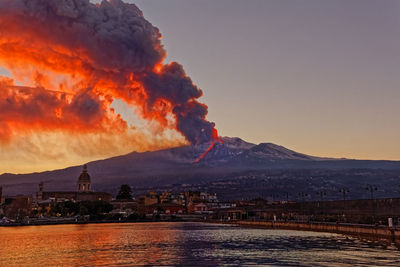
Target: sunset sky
x=318 y=77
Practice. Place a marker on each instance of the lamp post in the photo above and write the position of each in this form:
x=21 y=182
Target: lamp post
x=321 y=194
x=371 y=189
x=285 y=206
x=344 y=191
x=303 y=195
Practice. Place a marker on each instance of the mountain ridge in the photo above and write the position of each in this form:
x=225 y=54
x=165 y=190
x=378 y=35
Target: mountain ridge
x=178 y=165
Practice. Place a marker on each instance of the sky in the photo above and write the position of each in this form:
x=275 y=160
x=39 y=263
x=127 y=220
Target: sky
x=318 y=77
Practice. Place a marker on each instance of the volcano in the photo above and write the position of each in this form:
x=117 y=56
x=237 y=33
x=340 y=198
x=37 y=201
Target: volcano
x=230 y=158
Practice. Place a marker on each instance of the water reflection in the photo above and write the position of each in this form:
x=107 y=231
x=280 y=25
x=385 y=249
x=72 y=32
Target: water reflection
x=184 y=244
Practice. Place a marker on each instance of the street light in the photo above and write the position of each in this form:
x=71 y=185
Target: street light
x=344 y=191
x=303 y=195
x=371 y=189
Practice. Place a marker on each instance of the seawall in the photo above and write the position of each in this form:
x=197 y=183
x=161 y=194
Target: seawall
x=371 y=232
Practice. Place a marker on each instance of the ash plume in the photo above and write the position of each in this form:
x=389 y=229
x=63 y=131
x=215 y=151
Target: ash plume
x=76 y=58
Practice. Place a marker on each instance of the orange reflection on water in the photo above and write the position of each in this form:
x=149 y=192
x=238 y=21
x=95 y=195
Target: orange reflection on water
x=90 y=245
x=183 y=244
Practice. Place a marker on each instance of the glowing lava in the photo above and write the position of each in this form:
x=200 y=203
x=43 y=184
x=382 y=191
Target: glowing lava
x=215 y=139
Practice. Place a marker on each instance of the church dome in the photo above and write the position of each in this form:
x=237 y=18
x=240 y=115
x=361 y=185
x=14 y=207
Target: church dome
x=84 y=177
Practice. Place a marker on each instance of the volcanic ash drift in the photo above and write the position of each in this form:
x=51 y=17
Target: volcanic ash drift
x=76 y=58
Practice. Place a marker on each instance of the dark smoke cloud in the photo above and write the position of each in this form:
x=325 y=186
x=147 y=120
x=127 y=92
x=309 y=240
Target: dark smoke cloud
x=114 y=35
x=112 y=46
x=175 y=86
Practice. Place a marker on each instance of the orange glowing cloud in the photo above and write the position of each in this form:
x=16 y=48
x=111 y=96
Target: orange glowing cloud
x=75 y=59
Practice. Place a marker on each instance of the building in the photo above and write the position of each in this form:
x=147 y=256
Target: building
x=83 y=193
x=84 y=184
x=165 y=208
x=165 y=197
x=191 y=196
x=208 y=197
x=200 y=208
x=125 y=204
x=18 y=207
x=149 y=199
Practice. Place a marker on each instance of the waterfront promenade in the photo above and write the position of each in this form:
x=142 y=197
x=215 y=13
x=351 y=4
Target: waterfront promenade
x=379 y=233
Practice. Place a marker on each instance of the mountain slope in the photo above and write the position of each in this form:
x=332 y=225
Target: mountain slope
x=178 y=165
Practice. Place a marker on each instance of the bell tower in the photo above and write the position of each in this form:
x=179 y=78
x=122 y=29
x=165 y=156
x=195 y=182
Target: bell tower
x=39 y=195
x=84 y=184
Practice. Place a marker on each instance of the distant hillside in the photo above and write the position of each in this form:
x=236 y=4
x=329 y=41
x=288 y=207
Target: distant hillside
x=178 y=166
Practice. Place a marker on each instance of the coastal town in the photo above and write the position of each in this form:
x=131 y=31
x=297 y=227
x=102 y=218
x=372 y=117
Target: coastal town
x=87 y=205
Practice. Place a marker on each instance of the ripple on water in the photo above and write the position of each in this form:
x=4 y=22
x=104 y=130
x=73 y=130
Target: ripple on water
x=183 y=244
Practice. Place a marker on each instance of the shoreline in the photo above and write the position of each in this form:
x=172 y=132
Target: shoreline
x=68 y=222
x=381 y=234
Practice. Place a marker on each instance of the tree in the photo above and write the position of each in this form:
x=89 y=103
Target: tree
x=124 y=192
